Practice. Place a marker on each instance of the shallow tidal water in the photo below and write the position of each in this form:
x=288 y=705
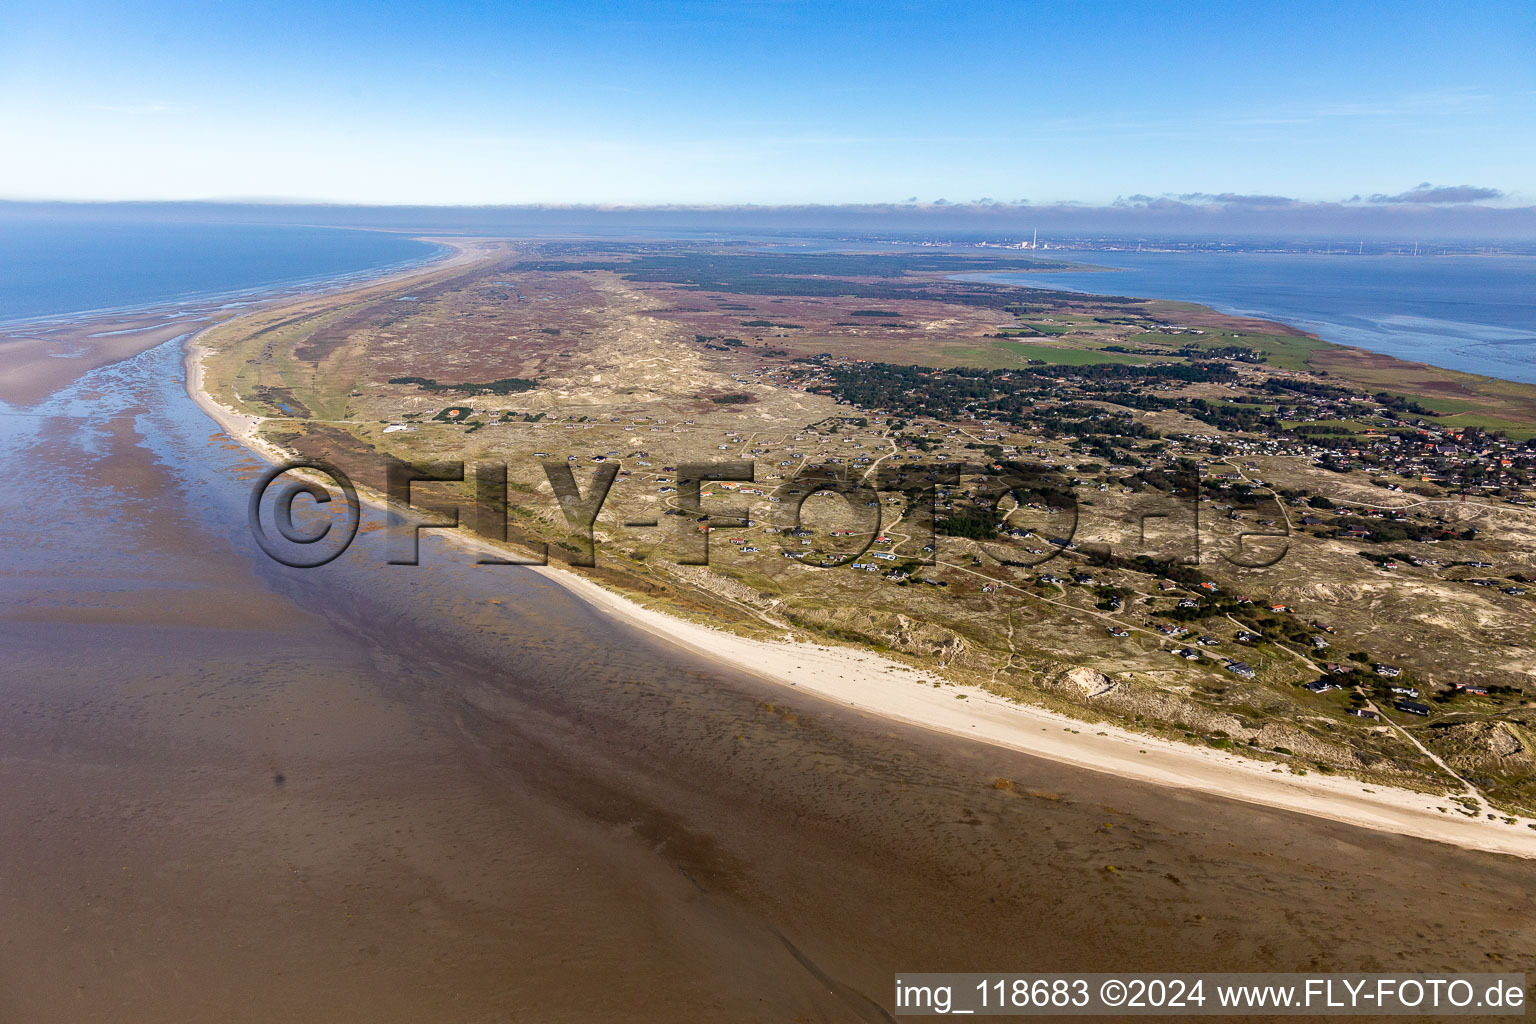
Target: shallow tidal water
x=234 y=791
x=1476 y=314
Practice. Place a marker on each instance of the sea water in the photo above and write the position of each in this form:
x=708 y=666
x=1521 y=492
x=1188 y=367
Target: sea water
x=1470 y=313
x=54 y=267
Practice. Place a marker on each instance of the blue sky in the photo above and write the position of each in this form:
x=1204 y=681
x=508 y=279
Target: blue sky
x=771 y=101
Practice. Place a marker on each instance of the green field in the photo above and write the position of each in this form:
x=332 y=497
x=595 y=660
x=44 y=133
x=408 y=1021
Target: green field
x=1004 y=354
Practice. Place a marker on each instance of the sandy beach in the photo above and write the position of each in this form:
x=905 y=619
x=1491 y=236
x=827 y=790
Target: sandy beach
x=39 y=357
x=877 y=686
x=667 y=514
x=240 y=792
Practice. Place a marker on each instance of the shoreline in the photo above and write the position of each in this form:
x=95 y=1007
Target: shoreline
x=875 y=685
x=193 y=303
x=1258 y=316
x=42 y=354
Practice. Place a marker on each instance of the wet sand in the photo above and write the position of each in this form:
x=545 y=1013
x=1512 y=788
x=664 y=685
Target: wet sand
x=39 y=359
x=236 y=792
x=40 y=356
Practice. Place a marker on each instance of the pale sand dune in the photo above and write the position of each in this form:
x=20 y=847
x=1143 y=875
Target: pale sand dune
x=882 y=687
